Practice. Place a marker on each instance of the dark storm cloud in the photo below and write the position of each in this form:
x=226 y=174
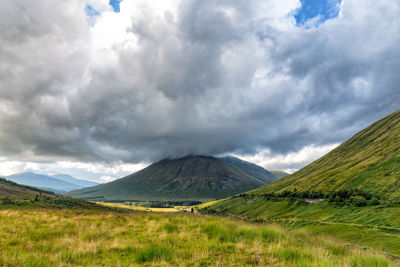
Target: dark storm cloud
x=210 y=78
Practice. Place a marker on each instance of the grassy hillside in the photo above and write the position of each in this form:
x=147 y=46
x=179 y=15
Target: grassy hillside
x=192 y=178
x=371 y=226
x=353 y=192
x=16 y=196
x=11 y=189
x=64 y=238
x=369 y=161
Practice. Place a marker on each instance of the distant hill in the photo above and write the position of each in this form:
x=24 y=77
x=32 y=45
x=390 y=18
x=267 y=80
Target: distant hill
x=192 y=178
x=58 y=183
x=369 y=161
x=75 y=181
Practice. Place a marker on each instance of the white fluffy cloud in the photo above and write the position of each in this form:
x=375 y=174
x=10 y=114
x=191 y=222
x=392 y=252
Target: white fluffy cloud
x=289 y=162
x=170 y=78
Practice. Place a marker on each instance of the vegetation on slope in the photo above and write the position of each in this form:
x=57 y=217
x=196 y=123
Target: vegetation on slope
x=12 y=189
x=373 y=226
x=352 y=192
x=16 y=196
x=369 y=161
x=192 y=178
x=65 y=238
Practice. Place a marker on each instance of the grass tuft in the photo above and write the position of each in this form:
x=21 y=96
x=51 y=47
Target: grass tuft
x=154 y=252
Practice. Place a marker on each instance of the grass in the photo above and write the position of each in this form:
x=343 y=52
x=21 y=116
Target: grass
x=131 y=207
x=371 y=226
x=94 y=238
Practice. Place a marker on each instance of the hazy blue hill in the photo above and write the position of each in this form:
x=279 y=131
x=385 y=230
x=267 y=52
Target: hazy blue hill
x=73 y=180
x=43 y=181
x=192 y=178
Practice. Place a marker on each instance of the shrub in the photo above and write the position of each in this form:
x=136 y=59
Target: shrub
x=358 y=201
x=374 y=201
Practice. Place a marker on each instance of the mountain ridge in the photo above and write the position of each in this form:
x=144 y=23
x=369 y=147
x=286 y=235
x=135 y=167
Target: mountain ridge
x=191 y=178
x=48 y=182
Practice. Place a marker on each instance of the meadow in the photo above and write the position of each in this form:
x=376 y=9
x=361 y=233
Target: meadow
x=64 y=237
x=376 y=226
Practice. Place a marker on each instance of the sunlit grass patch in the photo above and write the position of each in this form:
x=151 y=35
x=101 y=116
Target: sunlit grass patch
x=49 y=238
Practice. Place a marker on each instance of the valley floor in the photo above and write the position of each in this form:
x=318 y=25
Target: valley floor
x=105 y=238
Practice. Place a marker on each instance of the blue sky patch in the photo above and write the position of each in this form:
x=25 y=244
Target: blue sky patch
x=90 y=11
x=115 y=5
x=320 y=9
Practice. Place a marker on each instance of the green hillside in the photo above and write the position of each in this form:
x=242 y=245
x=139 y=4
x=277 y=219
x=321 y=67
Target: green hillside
x=192 y=178
x=17 y=196
x=369 y=161
x=11 y=189
x=353 y=192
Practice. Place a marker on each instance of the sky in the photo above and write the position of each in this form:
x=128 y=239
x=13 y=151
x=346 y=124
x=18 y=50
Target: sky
x=99 y=89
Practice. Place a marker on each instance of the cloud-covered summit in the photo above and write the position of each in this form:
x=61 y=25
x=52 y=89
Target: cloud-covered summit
x=169 y=78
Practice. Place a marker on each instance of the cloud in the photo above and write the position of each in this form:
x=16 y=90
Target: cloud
x=289 y=162
x=171 y=78
x=97 y=172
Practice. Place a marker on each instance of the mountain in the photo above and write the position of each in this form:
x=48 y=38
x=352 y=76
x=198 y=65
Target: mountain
x=192 y=178
x=369 y=161
x=43 y=181
x=251 y=169
x=75 y=181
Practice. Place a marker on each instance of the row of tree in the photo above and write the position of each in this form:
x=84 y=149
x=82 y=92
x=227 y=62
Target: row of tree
x=354 y=196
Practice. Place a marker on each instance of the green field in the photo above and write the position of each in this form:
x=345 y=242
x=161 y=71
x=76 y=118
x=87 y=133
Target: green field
x=104 y=238
x=375 y=226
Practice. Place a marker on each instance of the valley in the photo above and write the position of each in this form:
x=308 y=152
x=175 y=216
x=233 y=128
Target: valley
x=341 y=210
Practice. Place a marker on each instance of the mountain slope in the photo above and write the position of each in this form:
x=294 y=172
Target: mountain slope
x=79 y=182
x=192 y=178
x=369 y=161
x=43 y=181
x=251 y=169
x=12 y=189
